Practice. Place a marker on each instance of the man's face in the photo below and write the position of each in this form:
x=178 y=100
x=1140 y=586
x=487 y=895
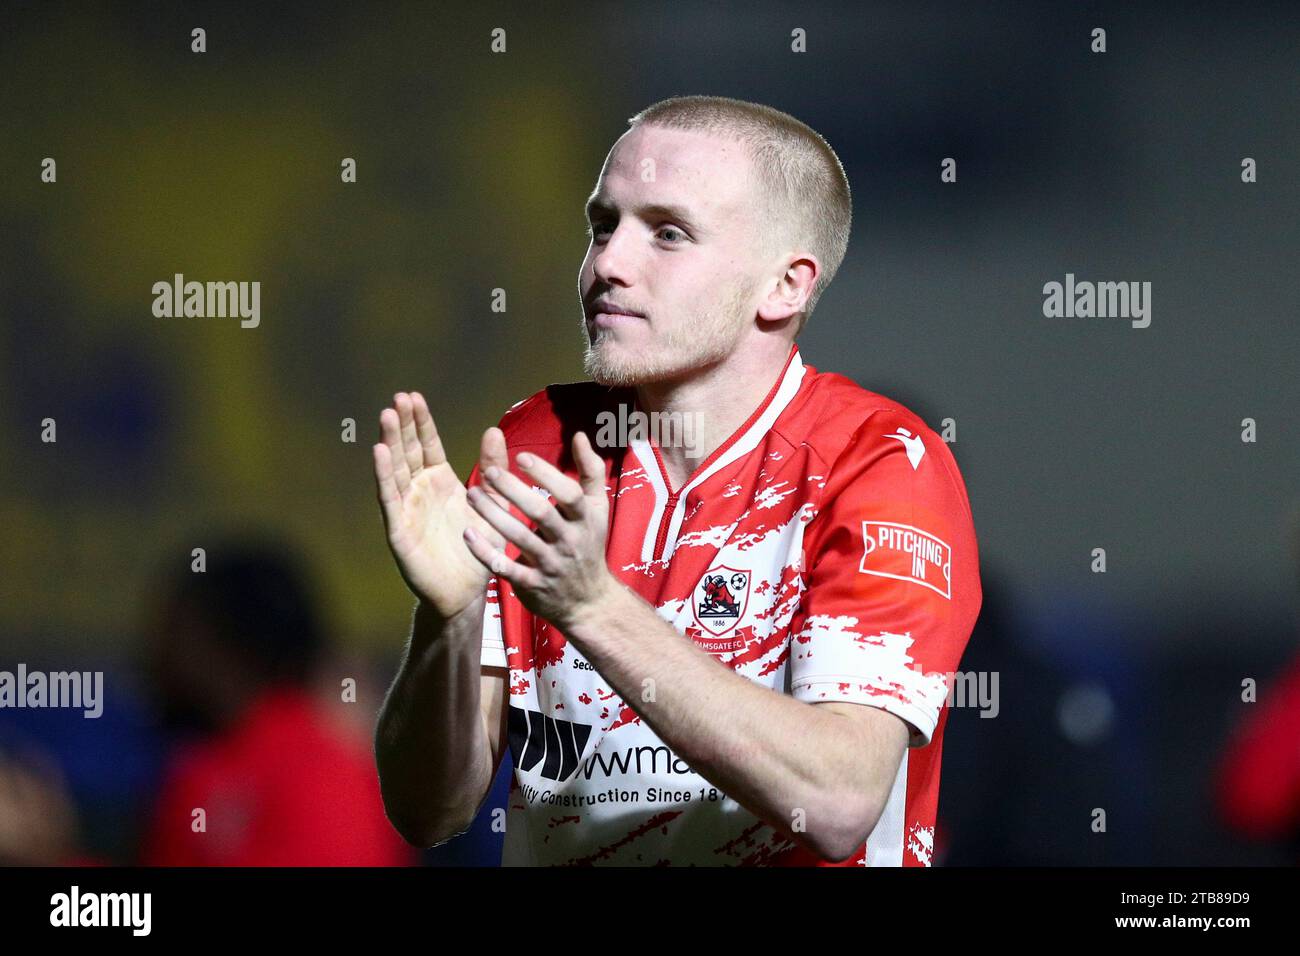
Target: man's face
x=675 y=242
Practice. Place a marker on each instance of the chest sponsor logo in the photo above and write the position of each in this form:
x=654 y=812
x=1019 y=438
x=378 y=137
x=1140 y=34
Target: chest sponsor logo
x=893 y=550
x=555 y=744
x=721 y=598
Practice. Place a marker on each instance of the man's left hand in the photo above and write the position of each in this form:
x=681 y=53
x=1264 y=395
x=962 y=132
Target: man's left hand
x=561 y=575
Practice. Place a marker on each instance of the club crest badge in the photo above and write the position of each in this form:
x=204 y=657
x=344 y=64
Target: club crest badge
x=721 y=598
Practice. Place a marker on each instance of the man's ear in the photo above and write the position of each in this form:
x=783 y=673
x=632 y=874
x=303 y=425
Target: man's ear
x=790 y=293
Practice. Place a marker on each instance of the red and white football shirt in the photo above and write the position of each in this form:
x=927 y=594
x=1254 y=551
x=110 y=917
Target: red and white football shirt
x=825 y=550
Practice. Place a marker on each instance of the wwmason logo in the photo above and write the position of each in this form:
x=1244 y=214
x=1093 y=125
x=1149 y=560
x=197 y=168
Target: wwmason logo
x=555 y=744
x=83 y=689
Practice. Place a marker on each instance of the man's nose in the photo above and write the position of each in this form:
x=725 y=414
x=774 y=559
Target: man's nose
x=613 y=261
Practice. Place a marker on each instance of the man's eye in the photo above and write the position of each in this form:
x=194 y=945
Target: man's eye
x=672 y=229
x=593 y=228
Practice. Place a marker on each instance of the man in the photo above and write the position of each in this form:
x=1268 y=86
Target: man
x=568 y=600
x=233 y=655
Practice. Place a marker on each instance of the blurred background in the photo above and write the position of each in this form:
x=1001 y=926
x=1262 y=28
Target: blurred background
x=1120 y=690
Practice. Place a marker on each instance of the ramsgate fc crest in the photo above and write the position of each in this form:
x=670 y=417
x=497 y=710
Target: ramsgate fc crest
x=721 y=598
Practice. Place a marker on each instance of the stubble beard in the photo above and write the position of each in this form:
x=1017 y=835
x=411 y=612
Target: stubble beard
x=708 y=338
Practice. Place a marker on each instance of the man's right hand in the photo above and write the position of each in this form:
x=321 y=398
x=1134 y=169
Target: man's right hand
x=425 y=508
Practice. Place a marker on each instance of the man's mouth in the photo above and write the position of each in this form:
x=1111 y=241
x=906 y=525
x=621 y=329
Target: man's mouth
x=608 y=305
x=607 y=314
x=612 y=320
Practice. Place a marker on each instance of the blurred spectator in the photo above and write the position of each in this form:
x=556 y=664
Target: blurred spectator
x=1066 y=734
x=233 y=652
x=37 y=820
x=1257 y=783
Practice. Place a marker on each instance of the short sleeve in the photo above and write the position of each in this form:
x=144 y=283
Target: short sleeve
x=503 y=613
x=892 y=584
x=493 y=653
x=494 y=645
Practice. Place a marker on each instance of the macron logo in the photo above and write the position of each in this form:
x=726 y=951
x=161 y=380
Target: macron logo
x=915 y=447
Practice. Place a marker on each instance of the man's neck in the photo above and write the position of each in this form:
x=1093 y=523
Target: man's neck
x=712 y=404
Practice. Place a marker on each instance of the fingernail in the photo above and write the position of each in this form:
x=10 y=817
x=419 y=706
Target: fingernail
x=525 y=460
x=492 y=471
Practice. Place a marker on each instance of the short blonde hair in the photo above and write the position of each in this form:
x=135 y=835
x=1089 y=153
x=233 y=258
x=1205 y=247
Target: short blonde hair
x=806 y=197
